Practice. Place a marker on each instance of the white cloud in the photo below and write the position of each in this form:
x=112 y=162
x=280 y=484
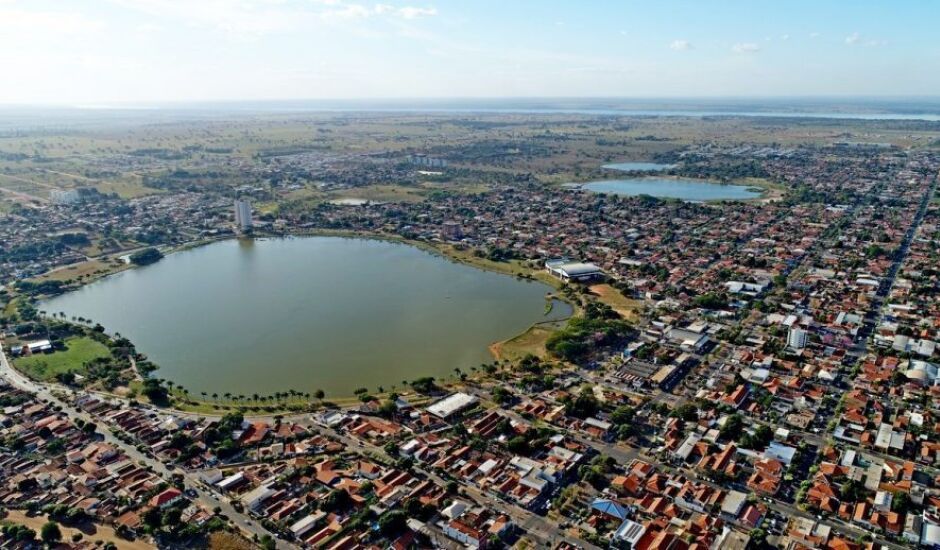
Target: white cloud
x=853 y=39
x=410 y=12
x=785 y=37
x=260 y=17
x=15 y=21
x=814 y=35
x=745 y=47
x=680 y=45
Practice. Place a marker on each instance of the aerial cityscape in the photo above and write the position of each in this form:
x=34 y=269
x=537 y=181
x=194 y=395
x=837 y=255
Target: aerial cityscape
x=348 y=276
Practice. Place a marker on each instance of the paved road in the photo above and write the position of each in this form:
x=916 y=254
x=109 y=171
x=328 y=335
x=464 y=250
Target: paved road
x=204 y=498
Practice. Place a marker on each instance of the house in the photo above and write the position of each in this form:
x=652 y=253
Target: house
x=166 y=498
x=629 y=532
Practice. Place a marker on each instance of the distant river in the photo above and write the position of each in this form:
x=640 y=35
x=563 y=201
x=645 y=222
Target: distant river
x=637 y=166
x=309 y=313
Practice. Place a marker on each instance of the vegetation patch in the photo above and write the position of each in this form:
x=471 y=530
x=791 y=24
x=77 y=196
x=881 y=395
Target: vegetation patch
x=75 y=356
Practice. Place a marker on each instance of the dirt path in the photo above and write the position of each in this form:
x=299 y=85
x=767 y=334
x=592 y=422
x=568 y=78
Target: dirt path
x=90 y=531
x=29 y=181
x=23 y=196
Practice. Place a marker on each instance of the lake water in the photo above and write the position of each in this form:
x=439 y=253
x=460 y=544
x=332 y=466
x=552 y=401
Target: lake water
x=672 y=188
x=637 y=166
x=310 y=313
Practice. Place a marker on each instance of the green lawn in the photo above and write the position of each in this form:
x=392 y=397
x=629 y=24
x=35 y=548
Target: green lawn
x=79 y=350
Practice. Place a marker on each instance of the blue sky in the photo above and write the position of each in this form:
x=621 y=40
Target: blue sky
x=105 y=51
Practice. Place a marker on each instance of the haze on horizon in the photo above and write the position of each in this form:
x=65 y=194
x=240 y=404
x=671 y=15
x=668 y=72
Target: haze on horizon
x=129 y=51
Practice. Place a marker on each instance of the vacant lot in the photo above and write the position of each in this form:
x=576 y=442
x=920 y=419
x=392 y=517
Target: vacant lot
x=45 y=366
x=91 y=532
x=626 y=307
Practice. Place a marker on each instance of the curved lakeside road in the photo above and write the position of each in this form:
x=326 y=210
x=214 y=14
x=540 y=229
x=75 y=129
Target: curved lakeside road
x=204 y=498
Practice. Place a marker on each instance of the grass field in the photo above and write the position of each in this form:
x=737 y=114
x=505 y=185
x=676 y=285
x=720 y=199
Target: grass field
x=531 y=341
x=88 y=269
x=626 y=307
x=46 y=366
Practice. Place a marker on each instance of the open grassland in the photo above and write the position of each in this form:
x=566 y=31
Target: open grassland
x=45 y=366
x=530 y=342
x=87 y=270
x=627 y=308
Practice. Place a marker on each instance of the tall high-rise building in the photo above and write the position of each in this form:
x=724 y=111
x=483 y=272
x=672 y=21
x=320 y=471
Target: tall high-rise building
x=242 y=215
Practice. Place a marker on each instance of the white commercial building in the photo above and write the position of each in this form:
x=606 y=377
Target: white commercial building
x=452 y=404
x=573 y=271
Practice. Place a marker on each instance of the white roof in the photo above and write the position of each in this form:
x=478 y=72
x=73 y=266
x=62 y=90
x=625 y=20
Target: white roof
x=451 y=404
x=257 y=494
x=931 y=534
x=783 y=453
x=455 y=510
x=307 y=523
x=630 y=531
x=231 y=480
x=733 y=502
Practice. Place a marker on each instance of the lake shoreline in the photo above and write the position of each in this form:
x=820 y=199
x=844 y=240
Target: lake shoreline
x=440 y=250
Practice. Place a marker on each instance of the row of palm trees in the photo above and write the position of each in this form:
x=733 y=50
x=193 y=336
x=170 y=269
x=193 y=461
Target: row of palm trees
x=256 y=399
x=61 y=315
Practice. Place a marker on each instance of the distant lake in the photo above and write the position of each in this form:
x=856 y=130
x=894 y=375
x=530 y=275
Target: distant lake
x=672 y=188
x=637 y=166
x=310 y=313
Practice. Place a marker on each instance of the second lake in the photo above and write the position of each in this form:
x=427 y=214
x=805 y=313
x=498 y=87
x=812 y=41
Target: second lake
x=673 y=188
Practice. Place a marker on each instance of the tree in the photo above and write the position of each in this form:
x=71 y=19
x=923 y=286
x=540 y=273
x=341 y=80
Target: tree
x=392 y=523
x=146 y=256
x=336 y=500
x=624 y=414
x=51 y=534
x=582 y=406
x=731 y=430
x=519 y=445
x=851 y=491
x=319 y=394
x=901 y=503
x=686 y=411
x=154 y=391
x=424 y=385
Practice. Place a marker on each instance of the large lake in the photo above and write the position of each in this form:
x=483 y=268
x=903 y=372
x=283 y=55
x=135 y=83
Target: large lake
x=309 y=313
x=672 y=188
